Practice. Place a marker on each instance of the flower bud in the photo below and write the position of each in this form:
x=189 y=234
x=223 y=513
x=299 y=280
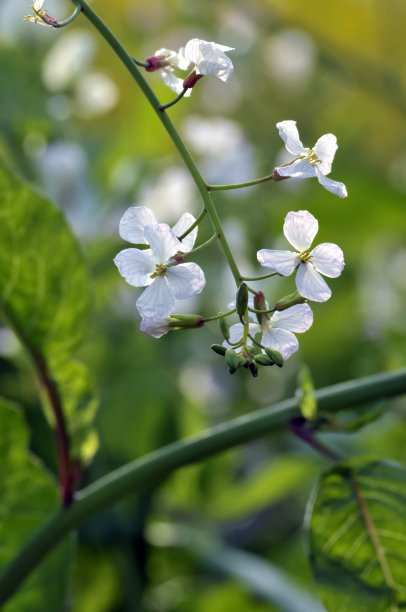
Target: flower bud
x=278 y=177
x=275 y=356
x=224 y=327
x=232 y=360
x=241 y=300
x=191 y=80
x=264 y=360
x=185 y=321
x=289 y=300
x=154 y=62
x=219 y=349
x=260 y=304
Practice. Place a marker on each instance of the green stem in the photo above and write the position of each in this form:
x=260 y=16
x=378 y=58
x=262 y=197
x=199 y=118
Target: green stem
x=221 y=315
x=62 y=24
x=261 y=311
x=240 y=185
x=128 y=62
x=139 y=62
x=174 y=101
x=258 y=278
x=201 y=246
x=139 y=474
x=194 y=224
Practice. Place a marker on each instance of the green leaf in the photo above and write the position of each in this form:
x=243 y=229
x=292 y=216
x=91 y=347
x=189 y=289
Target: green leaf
x=44 y=284
x=28 y=494
x=357 y=536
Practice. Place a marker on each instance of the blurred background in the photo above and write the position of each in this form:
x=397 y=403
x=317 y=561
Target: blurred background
x=73 y=122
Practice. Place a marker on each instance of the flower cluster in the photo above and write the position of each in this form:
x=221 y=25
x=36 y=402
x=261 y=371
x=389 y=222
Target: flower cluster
x=40 y=16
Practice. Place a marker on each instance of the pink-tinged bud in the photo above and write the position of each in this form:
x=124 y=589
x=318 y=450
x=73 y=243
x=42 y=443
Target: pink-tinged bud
x=191 y=80
x=154 y=62
x=278 y=177
x=260 y=304
x=179 y=258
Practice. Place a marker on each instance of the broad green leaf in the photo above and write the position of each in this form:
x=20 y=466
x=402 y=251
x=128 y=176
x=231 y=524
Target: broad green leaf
x=44 y=284
x=28 y=495
x=357 y=535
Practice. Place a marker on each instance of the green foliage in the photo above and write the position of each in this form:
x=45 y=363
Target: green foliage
x=308 y=403
x=28 y=494
x=357 y=526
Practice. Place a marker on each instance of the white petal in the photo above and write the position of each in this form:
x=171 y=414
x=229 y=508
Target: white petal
x=290 y=136
x=300 y=168
x=180 y=61
x=280 y=340
x=221 y=68
x=283 y=262
x=209 y=58
x=133 y=222
x=171 y=80
x=135 y=266
x=162 y=241
x=333 y=186
x=154 y=328
x=180 y=228
x=325 y=149
x=236 y=334
x=157 y=301
x=38 y=4
x=186 y=280
x=311 y=285
x=296 y=319
x=300 y=229
x=328 y=259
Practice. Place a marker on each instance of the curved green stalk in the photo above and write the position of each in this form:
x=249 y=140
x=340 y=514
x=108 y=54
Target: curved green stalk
x=140 y=473
x=129 y=63
x=174 y=101
x=62 y=24
x=269 y=177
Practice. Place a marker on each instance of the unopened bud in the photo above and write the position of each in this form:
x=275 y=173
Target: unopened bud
x=154 y=62
x=191 y=80
x=275 y=356
x=241 y=300
x=232 y=360
x=278 y=177
x=219 y=349
x=264 y=360
x=289 y=300
x=260 y=304
x=185 y=321
x=179 y=258
x=224 y=328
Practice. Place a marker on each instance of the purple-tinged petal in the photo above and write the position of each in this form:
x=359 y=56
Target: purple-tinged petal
x=280 y=340
x=283 y=262
x=296 y=319
x=133 y=223
x=311 y=285
x=300 y=229
x=162 y=241
x=181 y=227
x=157 y=301
x=335 y=187
x=290 y=136
x=154 y=328
x=328 y=259
x=186 y=280
x=135 y=266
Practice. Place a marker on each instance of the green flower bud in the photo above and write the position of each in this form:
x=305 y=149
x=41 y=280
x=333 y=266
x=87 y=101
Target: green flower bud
x=224 y=328
x=241 y=300
x=275 y=356
x=219 y=349
x=289 y=300
x=253 y=368
x=232 y=360
x=186 y=320
x=264 y=360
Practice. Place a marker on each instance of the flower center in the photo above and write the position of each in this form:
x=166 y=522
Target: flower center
x=305 y=256
x=312 y=158
x=160 y=270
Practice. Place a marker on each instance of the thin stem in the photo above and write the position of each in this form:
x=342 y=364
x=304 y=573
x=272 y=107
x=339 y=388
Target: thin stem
x=139 y=62
x=139 y=474
x=62 y=24
x=258 y=278
x=194 y=224
x=221 y=315
x=301 y=428
x=201 y=246
x=261 y=311
x=269 y=177
x=169 y=127
x=174 y=101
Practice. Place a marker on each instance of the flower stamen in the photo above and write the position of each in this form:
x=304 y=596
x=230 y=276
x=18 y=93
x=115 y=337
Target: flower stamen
x=305 y=256
x=160 y=270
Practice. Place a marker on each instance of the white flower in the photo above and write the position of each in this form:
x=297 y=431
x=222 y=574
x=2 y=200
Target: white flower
x=300 y=228
x=277 y=332
x=309 y=162
x=209 y=58
x=164 y=62
x=40 y=15
x=154 y=328
x=154 y=268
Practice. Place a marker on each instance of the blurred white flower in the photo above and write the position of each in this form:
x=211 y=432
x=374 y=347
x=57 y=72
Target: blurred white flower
x=164 y=62
x=290 y=55
x=68 y=58
x=300 y=228
x=96 y=94
x=309 y=162
x=169 y=194
x=40 y=16
x=209 y=58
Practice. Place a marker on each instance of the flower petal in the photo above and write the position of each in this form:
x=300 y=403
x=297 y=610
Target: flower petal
x=236 y=333
x=133 y=222
x=171 y=80
x=154 y=328
x=300 y=168
x=186 y=280
x=135 y=266
x=328 y=259
x=157 y=301
x=181 y=227
x=209 y=58
x=181 y=61
x=333 y=186
x=280 y=340
x=300 y=229
x=296 y=319
x=290 y=136
x=311 y=285
x=162 y=241
x=283 y=262
x=325 y=149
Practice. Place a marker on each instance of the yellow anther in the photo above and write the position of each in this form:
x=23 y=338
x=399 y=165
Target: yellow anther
x=305 y=256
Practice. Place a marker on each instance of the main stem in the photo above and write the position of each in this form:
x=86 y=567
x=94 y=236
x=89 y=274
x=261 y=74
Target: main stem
x=142 y=472
x=169 y=127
